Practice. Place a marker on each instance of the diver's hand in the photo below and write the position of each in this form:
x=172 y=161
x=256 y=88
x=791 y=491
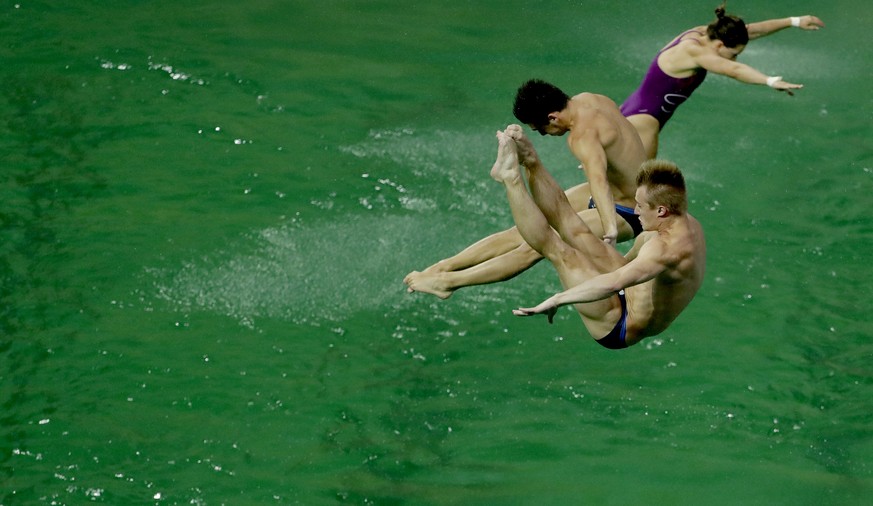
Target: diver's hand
x=547 y=307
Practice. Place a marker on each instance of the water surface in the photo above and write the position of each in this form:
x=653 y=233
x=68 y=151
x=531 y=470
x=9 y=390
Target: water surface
x=208 y=208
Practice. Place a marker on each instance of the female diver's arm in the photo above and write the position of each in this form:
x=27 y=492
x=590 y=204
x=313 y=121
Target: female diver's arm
x=764 y=28
x=741 y=72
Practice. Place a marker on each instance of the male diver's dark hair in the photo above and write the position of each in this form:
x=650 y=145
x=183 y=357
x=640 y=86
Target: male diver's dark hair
x=729 y=29
x=665 y=185
x=535 y=100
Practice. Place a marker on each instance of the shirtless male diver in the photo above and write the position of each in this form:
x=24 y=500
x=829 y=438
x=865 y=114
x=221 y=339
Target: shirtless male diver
x=621 y=299
x=610 y=152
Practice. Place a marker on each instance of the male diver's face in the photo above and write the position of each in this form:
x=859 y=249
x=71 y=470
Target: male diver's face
x=548 y=129
x=648 y=214
x=540 y=129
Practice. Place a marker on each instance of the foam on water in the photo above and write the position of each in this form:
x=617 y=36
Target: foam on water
x=297 y=273
x=324 y=270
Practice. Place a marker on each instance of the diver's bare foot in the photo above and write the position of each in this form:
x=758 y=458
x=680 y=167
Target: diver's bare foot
x=427 y=283
x=526 y=153
x=505 y=168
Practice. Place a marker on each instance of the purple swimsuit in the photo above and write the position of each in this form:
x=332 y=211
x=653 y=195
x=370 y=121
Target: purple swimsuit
x=659 y=94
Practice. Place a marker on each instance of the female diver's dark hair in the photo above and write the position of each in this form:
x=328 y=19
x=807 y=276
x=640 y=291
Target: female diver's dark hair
x=729 y=29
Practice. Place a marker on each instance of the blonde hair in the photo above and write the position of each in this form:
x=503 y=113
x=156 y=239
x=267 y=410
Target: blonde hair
x=665 y=185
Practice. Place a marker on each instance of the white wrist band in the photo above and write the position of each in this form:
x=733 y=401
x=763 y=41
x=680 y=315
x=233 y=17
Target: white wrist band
x=773 y=80
x=795 y=21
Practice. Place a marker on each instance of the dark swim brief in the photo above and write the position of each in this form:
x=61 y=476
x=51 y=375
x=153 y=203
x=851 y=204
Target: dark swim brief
x=615 y=340
x=626 y=213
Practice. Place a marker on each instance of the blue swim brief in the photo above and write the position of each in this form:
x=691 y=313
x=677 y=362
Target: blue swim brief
x=615 y=340
x=626 y=213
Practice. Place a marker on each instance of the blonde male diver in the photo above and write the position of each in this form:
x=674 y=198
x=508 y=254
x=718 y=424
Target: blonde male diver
x=621 y=299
